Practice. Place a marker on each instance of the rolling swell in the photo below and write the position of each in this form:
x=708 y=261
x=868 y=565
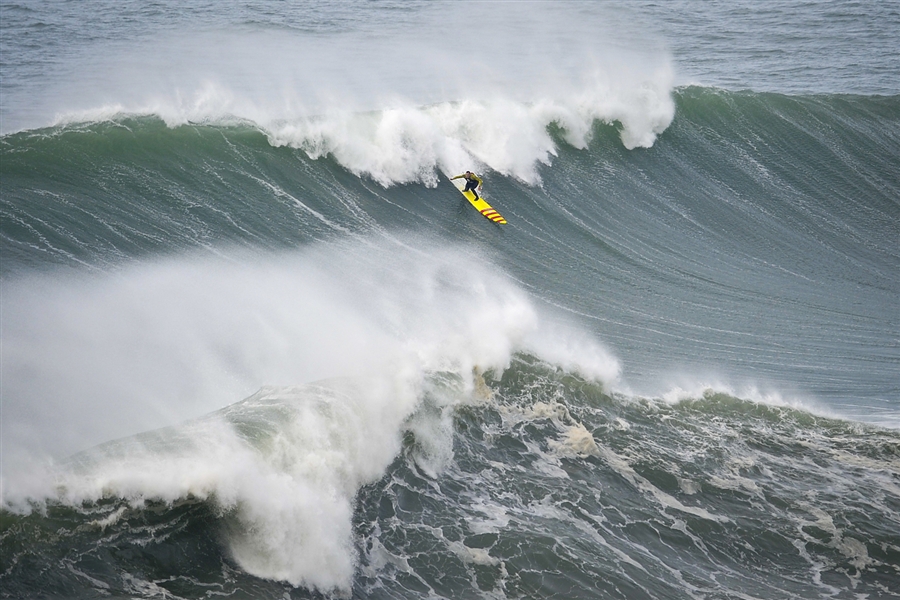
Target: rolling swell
x=102 y=192
x=97 y=192
x=750 y=249
x=749 y=204
x=752 y=228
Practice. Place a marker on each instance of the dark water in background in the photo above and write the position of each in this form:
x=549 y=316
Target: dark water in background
x=673 y=374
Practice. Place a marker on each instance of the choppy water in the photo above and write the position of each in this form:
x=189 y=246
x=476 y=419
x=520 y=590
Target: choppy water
x=255 y=344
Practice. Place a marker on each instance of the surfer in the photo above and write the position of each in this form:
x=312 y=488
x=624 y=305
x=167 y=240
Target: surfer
x=473 y=181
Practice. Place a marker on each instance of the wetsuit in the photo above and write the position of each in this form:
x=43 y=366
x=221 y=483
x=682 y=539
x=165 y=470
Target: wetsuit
x=472 y=182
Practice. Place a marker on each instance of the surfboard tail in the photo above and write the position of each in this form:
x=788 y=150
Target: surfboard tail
x=480 y=204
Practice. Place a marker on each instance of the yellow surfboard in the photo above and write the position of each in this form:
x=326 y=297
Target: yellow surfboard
x=480 y=205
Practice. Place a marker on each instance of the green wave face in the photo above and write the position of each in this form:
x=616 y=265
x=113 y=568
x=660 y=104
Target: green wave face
x=672 y=374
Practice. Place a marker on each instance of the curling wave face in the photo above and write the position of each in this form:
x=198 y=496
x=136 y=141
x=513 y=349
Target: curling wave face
x=325 y=375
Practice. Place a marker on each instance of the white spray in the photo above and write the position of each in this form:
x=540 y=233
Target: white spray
x=396 y=97
x=342 y=338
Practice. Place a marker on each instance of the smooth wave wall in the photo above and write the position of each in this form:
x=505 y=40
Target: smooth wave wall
x=747 y=204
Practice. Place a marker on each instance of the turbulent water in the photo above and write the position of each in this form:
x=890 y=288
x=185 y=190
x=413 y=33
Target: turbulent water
x=256 y=345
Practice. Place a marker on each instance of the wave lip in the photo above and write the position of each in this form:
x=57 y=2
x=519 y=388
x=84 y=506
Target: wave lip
x=407 y=143
x=411 y=144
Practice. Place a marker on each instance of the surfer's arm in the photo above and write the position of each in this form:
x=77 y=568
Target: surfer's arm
x=457 y=177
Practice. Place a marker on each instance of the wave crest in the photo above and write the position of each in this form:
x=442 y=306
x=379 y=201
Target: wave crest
x=411 y=144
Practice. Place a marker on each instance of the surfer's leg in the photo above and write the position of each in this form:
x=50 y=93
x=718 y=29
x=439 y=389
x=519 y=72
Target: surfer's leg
x=470 y=187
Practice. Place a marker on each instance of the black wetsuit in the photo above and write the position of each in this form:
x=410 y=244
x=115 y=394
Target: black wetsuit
x=472 y=183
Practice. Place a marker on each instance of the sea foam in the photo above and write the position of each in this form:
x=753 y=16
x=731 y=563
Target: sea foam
x=354 y=345
x=406 y=102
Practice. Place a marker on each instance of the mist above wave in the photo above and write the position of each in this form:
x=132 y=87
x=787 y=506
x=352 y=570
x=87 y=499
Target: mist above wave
x=398 y=97
x=88 y=357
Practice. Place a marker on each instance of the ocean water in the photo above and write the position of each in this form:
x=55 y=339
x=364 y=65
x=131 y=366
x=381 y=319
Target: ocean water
x=254 y=344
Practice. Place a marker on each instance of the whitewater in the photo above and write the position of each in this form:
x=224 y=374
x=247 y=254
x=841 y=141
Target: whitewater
x=255 y=344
